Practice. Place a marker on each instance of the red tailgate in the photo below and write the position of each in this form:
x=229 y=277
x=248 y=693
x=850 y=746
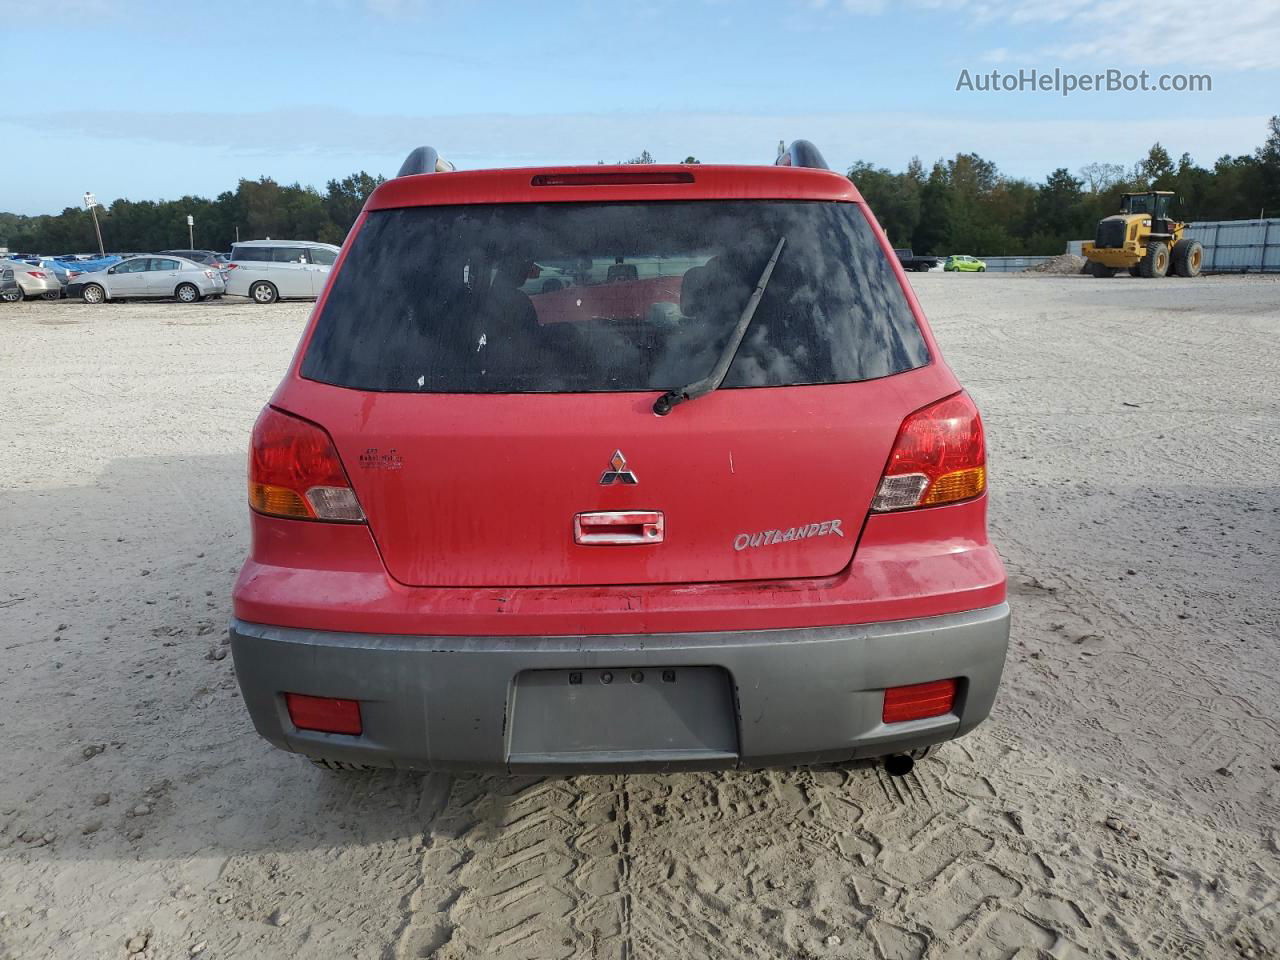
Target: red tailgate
x=751 y=483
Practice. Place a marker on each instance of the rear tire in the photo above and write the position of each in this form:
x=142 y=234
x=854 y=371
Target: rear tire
x=264 y=292
x=93 y=294
x=1188 y=258
x=187 y=293
x=51 y=295
x=1156 y=263
x=1101 y=270
x=1135 y=271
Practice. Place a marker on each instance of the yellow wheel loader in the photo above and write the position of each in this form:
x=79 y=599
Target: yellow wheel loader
x=1143 y=239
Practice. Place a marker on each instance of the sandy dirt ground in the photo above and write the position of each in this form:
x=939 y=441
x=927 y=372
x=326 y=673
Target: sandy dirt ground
x=1122 y=801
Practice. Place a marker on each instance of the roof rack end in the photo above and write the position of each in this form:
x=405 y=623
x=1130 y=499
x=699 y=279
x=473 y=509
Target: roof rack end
x=424 y=160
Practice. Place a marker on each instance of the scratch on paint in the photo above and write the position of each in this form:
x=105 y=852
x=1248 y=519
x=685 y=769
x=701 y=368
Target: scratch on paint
x=731 y=470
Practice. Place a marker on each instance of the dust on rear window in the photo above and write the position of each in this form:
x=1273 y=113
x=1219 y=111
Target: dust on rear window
x=583 y=297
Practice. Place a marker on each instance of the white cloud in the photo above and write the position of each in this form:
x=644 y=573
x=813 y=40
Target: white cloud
x=1166 y=36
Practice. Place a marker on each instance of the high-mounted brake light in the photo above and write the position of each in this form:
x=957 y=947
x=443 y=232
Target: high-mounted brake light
x=608 y=179
x=939 y=457
x=294 y=471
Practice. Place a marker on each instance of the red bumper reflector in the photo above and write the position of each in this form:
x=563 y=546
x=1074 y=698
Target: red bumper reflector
x=325 y=714
x=919 y=700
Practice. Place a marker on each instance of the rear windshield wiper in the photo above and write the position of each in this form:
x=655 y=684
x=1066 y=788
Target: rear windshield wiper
x=662 y=406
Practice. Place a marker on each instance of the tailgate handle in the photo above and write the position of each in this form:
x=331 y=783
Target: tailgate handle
x=619 y=527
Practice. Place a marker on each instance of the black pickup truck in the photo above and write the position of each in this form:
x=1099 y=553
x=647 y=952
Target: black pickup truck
x=910 y=261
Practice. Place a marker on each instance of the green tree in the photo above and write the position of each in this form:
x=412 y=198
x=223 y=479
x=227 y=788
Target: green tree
x=894 y=197
x=1268 y=175
x=344 y=199
x=933 y=230
x=1157 y=168
x=1058 y=205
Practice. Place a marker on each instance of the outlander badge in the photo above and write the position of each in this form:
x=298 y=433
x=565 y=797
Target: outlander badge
x=617 y=472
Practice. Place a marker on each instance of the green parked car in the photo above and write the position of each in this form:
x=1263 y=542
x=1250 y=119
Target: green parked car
x=960 y=264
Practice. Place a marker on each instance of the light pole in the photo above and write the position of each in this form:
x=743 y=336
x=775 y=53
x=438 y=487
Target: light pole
x=91 y=202
x=191 y=231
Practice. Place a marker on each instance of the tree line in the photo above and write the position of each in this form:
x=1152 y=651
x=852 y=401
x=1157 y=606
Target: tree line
x=254 y=210
x=961 y=205
x=965 y=205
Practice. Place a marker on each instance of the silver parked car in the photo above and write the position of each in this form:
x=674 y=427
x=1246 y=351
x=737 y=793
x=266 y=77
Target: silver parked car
x=10 y=292
x=153 y=277
x=34 y=280
x=271 y=270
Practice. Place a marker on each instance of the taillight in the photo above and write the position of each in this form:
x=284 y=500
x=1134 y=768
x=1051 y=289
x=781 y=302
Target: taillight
x=231 y=266
x=939 y=457
x=294 y=471
x=38 y=274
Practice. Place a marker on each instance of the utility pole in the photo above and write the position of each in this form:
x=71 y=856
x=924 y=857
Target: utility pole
x=191 y=231
x=91 y=202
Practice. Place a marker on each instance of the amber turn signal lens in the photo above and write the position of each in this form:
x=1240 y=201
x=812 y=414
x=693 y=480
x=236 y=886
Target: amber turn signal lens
x=960 y=485
x=276 y=501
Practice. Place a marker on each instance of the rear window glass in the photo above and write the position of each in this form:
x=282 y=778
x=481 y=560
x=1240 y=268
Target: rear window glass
x=322 y=256
x=610 y=297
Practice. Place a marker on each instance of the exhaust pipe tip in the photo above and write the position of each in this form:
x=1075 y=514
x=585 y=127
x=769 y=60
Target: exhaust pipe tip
x=898 y=765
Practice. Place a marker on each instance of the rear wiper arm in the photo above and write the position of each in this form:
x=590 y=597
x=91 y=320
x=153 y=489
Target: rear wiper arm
x=662 y=406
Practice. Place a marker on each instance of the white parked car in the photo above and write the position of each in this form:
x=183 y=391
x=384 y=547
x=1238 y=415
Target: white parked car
x=151 y=277
x=269 y=270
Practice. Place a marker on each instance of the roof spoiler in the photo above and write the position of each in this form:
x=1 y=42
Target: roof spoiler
x=801 y=153
x=424 y=160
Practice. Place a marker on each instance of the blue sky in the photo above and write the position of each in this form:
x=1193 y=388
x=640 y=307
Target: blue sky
x=151 y=100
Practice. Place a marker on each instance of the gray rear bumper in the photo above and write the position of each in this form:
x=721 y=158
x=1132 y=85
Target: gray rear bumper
x=791 y=696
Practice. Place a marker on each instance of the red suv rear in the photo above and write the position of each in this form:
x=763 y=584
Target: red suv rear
x=618 y=467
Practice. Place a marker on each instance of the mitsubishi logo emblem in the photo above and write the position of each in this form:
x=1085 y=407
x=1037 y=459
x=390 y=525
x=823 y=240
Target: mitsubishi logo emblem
x=617 y=472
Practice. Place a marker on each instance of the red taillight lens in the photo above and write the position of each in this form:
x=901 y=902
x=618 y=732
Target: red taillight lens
x=919 y=700
x=231 y=266
x=38 y=274
x=324 y=714
x=939 y=457
x=294 y=471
